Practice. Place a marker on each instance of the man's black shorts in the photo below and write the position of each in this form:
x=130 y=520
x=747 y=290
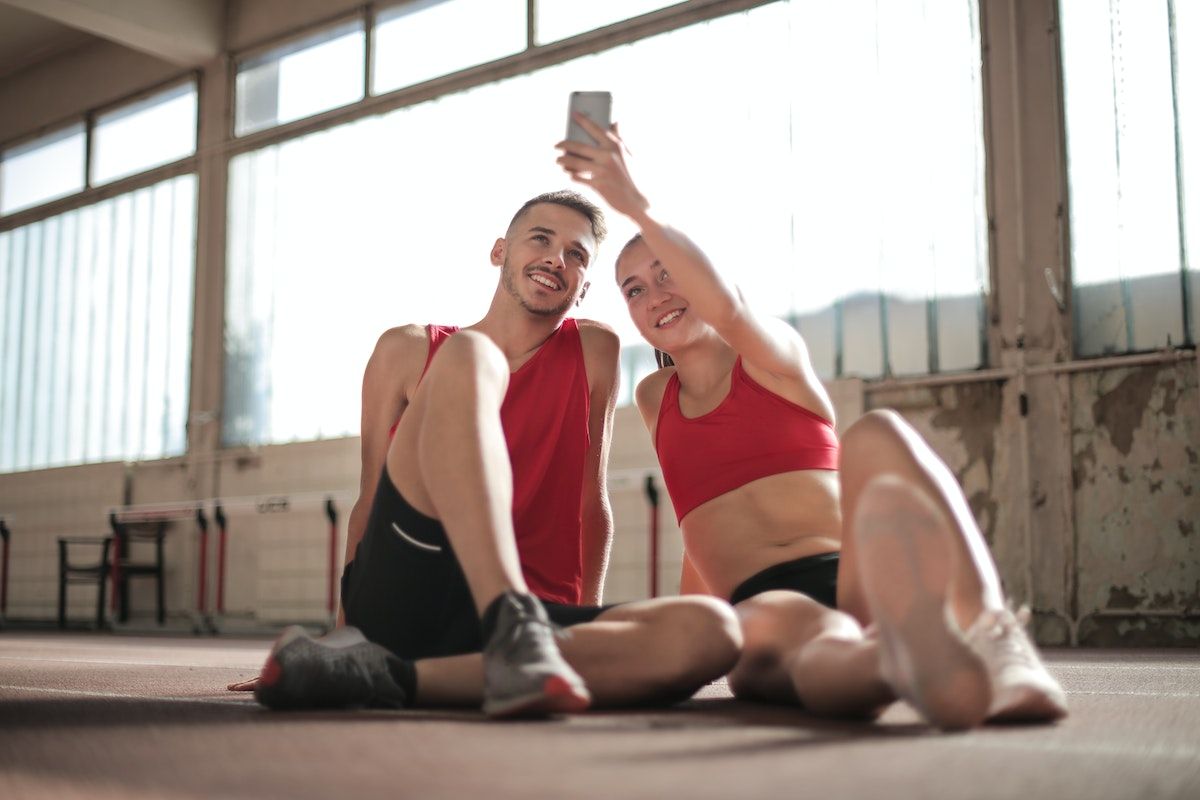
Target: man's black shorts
x=406 y=590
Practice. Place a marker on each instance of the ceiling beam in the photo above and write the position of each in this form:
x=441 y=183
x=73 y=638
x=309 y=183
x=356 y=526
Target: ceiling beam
x=184 y=32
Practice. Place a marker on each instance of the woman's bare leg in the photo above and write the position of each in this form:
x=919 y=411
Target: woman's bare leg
x=798 y=651
x=882 y=443
x=922 y=495
x=904 y=562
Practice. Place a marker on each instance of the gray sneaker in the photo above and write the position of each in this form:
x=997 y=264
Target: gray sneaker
x=524 y=675
x=342 y=671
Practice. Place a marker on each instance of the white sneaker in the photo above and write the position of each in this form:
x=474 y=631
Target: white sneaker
x=904 y=563
x=1022 y=688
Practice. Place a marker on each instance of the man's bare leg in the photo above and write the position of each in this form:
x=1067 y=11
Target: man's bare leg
x=461 y=475
x=647 y=651
x=449 y=461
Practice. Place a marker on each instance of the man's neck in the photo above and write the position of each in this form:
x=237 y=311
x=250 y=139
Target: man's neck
x=517 y=332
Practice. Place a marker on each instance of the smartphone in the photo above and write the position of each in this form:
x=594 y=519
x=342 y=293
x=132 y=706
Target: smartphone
x=596 y=106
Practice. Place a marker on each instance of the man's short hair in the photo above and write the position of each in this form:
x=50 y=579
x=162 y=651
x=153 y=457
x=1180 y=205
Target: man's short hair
x=567 y=199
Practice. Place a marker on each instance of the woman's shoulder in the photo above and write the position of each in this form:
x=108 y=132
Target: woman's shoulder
x=650 y=390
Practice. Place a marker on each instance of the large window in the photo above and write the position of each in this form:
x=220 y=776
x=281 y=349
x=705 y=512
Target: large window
x=834 y=169
x=411 y=44
x=148 y=133
x=125 y=139
x=96 y=320
x=1132 y=98
x=302 y=78
x=43 y=169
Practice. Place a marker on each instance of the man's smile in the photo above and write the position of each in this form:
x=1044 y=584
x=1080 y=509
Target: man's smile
x=545 y=280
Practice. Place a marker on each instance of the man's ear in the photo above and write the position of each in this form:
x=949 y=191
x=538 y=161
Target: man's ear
x=498 y=252
x=583 y=292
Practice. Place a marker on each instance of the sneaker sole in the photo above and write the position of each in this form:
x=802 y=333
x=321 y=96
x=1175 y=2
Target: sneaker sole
x=272 y=690
x=1029 y=704
x=558 y=696
x=905 y=578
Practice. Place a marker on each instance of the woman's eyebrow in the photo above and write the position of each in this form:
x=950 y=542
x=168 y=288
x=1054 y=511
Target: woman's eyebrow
x=656 y=264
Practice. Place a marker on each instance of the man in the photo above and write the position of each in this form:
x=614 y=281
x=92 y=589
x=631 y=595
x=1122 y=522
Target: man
x=490 y=494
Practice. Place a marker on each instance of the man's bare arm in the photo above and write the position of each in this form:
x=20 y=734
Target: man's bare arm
x=391 y=374
x=388 y=382
x=601 y=352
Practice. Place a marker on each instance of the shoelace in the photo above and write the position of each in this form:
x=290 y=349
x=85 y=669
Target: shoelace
x=1002 y=634
x=512 y=642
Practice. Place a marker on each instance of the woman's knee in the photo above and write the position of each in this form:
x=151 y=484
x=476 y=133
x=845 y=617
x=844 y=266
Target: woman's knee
x=873 y=428
x=779 y=617
x=777 y=627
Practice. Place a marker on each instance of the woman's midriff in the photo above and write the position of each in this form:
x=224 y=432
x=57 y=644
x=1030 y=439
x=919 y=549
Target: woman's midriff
x=762 y=523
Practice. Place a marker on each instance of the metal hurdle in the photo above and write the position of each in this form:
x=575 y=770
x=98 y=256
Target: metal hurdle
x=4 y=534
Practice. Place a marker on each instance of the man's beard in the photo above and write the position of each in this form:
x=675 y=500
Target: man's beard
x=510 y=285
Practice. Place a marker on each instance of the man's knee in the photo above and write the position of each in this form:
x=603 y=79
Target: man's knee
x=469 y=357
x=702 y=639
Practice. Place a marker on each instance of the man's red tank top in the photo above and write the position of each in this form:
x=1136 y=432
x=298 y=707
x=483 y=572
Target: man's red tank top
x=753 y=433
x=545 y=421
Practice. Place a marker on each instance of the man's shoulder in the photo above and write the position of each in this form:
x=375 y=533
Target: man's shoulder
x=403 y=333
x=598 y=336
x=400 y=345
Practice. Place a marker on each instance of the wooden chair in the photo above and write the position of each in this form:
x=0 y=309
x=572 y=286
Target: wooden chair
x=89 y=572
x=124 y=567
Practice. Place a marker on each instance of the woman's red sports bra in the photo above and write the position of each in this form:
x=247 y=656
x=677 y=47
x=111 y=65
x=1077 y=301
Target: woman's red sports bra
x=753 y=433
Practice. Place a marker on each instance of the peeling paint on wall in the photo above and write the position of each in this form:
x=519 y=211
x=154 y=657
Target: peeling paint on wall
x=972 y=411
x=1120 y=410
x=1134 y=447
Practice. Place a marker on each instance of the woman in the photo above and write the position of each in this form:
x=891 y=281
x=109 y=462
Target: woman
x=810 y=538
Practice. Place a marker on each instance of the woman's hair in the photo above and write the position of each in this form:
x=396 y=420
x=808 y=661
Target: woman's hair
x=663 y=359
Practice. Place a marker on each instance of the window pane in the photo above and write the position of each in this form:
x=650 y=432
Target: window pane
x=304 y=78
x=44 y=169
x=97 y=303
x=839 y=227
x=559 y=19
x=428 y=38
x=1122 y=173
x=145 y=134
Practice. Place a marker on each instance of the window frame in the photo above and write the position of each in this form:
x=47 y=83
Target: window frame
x=90 y=193
x=534 y=57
